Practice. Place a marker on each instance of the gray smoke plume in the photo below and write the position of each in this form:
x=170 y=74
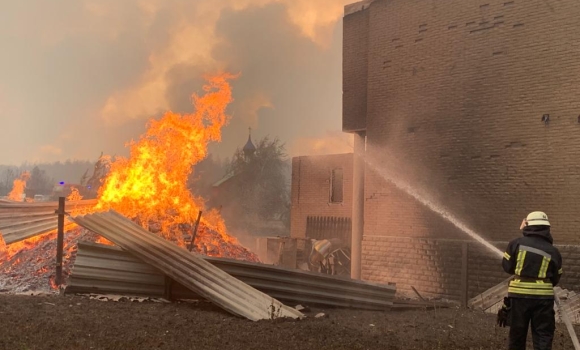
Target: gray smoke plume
x=78 y=78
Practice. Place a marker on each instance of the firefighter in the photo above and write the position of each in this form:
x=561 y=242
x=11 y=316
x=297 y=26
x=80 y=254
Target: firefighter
x=537 y=267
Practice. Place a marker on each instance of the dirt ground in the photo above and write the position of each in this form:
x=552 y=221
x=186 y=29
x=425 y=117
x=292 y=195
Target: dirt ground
x=75 y=322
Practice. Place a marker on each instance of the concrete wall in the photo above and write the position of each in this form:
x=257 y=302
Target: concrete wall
x=311 y=189
x=455 y=95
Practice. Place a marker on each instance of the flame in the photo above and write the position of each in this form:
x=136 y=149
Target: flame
x=74 y=195
x=52 y=282
x=30 y=263
x=29 y=243
x=12 y=249
x=150 y=186
x=18 y=187
x=103 y=240
x=3 y=249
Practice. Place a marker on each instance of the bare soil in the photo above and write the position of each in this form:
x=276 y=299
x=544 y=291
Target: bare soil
x=75 y=322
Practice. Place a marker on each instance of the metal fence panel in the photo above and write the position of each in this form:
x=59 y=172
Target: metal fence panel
x=20 y=221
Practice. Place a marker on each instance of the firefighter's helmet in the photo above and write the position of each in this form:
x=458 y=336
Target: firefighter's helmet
x=536 y=218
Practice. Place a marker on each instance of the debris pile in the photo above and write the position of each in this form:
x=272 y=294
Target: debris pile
x=110 y=270
x=30 y=265
x=207 y=240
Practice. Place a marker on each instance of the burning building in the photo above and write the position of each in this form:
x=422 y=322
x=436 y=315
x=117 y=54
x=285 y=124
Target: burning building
x=467 y=109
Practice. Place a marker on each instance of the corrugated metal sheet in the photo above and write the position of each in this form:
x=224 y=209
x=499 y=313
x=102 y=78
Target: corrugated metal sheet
x=20 y=221
x=491 y=301
x=491 y=298
x=110 y=270
x=308 y=287
x=187 y=268
x=106 y=269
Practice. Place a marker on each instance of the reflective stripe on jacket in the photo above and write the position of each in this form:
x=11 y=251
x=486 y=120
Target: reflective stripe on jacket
x=535 y=263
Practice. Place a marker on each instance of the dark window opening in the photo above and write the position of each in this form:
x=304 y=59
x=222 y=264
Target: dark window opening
x=336 y=186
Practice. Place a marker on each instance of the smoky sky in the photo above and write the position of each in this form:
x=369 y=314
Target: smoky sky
x=303 y=82
x=63 y=61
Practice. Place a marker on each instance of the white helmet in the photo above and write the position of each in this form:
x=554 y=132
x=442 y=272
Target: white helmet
x=535 y=218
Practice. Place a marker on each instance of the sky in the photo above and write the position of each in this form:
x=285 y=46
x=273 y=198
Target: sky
x=82 y=77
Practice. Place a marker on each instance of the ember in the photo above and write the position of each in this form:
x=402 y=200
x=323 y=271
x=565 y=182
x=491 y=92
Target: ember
x=29 y=265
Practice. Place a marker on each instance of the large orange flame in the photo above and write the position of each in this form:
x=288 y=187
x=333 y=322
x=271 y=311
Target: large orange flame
x=151 y=185
x=18 y=187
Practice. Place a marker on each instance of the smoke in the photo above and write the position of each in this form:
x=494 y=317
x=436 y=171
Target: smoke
x=50 y=149
x=332 y=142
x=82 y=77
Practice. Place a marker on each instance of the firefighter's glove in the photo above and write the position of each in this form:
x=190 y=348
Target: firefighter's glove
x=503 y=313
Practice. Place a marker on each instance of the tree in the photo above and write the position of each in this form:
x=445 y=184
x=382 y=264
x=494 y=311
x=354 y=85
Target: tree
x=39 y=182
x=100 y=171
x=204 y=175
x=84 y=178
x=259 y=188
x=7 y=181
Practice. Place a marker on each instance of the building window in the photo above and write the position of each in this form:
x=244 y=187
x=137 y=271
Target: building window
x=336 y=186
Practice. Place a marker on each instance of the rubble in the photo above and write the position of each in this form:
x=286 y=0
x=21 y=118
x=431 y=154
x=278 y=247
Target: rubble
x=31 y=267
x=122 y=298
x=28 y=265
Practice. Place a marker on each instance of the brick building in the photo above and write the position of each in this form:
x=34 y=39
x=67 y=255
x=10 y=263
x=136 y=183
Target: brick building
x=474 y=104
x=321 y=189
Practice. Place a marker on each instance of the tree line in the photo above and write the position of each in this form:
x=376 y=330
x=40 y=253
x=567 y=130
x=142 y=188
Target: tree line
x=249 y=190
x=43 y=176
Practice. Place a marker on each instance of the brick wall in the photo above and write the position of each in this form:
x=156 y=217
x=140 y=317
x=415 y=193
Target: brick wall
x=311 y=189
x=355 y=68
x=434 y=266
x=455 y=95
x=456 y=92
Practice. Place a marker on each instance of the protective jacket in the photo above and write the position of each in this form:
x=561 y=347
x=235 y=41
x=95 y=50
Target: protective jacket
x=535 y=263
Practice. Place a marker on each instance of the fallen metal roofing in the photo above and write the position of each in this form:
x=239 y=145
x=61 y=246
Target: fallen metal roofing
x=491 y=301
x=20 y=221
x=187 y=268
x=491 y=298
x=105 y=269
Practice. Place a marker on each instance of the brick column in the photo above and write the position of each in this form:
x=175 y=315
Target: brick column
x=358 y=204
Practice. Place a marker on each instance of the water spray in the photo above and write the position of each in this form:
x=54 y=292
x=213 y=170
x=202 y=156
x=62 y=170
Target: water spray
x=432 y=205
x=437 y=208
